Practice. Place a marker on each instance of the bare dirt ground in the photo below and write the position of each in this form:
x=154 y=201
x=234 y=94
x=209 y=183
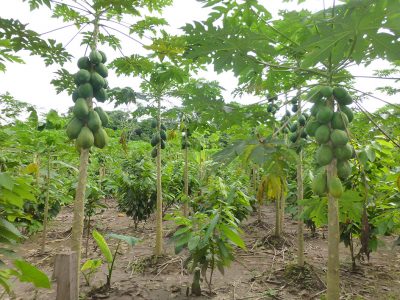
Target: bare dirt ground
x=266 y=271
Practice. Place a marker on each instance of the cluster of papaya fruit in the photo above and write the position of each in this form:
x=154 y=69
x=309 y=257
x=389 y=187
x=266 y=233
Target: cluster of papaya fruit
x=158 y=137
x=329 y=129
x=272 y=107
x=87 y=124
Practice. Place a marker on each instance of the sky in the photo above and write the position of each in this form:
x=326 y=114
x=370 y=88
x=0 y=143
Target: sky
x=30 y=82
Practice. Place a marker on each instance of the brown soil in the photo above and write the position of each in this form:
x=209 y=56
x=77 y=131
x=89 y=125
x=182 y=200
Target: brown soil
x=266 y=271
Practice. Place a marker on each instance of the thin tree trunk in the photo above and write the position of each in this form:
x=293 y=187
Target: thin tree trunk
x=159 y=230
x=46 y=205
x=277 y=217
x=186 y=180
x=300 y=225
x=333 y=279
x=79 y=206
x=282 y=211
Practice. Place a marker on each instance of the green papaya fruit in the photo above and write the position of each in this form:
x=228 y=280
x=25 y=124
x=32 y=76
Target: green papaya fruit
x=324 y=115
x=339 y=137
x=319 y=185
x=293 y=137
x=294 y=101
x=324 y=155
x=341 y=96
x=94 y=121
x=295 y=108
x=326 y=91
x=74 y=128
x=316 y=107
x=97 y=81
x=343 y=169
x=103 y=116
x=303 y=134
x=343 y=152
x=85 y=90
x=101 y=95
x=103 y=56
x=162 y=127
x=81 y=109
x=81 y=77
x=154 y=152
x=293 y=127
x=348 y=112
x=100 y=138
x=163 y=144
x=339 y=120
x=311 y=127
x=102 y=70
x=95 y=57
x=322 y=134
x=84 y=63
x=335 y=187
x=302 y=120
x=155 y=139
x=163 y=135
x=85 y=138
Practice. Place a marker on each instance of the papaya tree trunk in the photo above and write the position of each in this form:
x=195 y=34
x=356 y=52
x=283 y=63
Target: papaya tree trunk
x=278 y=232
x=300 y=195
x=159 y=211
x=300 y=225
x=186 y=178
x=333 y=279
x=79 y=201
x=46 y=204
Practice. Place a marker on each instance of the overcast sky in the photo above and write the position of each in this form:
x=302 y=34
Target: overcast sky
x=30 y=82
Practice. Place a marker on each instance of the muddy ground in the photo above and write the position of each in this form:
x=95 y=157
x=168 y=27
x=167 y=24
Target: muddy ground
x=265 y=271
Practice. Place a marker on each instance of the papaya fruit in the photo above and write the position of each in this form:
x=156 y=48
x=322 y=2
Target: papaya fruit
x=95 y=57
x=294 y=101
x=303 y=134
x=324 y=155
x=103 y=116
x=155 y=139
x=270 y=108
x=81 y=109
x=293 y=137
x=94 y=121
x=102 y=70
x=295 y=108
x=342 y=96
x=75 y=95
x=74 y=128
x=81 y=77
x=293 y=127
x=322 y=134
x=163 y=144
x=154 y=152
x=287 y=113
x=324 y=114
x=163 y=135
x=84 y=63
x=96 y=81
x=348 y=112
x=343 y=152
x=311 y=127
x=302 y=120
x=85 y=90
x=103 y=56
x=343 y=169
x=162 y=127
x=319 y=185
x=335 y=187
x=101 y=95
x=326 y=91
x=100 y=138
x=154 y=123
x=85 y=138
x=106 y=86
x=339 y=137
x=339 y=120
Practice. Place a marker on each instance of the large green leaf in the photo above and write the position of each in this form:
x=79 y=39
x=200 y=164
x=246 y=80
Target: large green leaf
x=29 y=273
x=233 y=236
x=101 y=242
x=130 y=240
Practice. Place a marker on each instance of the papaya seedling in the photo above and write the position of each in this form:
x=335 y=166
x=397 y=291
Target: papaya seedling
x=108 y=255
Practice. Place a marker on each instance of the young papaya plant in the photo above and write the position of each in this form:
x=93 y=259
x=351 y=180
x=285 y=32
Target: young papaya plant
x=108 y=255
